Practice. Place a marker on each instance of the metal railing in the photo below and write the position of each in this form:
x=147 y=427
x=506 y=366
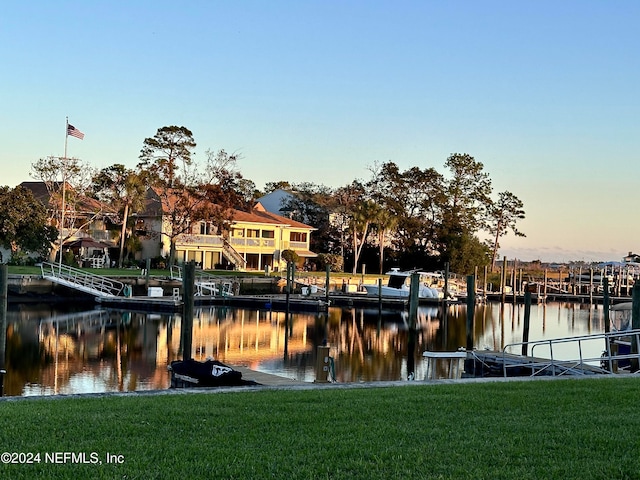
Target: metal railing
x=81 y=280
x=205 y=283
x=612 y=359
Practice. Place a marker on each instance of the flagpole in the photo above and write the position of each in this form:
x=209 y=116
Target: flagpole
x=64 y=185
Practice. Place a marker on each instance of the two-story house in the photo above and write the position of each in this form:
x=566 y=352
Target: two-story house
x=252 y=240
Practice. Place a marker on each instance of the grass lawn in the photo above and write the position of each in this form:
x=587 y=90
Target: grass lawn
x=565 y=429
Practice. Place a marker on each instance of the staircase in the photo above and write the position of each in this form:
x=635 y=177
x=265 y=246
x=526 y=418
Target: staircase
x=233 y=255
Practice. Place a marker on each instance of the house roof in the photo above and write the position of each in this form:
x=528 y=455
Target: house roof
x=256 y=215
x=84 y=204
x=273 y=202
x=261 y=216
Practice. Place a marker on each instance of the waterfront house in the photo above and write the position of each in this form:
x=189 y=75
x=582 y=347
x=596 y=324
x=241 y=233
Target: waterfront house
x=84 y=217
x=252 y=240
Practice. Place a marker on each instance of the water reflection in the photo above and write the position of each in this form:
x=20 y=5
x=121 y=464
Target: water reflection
x=58 y=351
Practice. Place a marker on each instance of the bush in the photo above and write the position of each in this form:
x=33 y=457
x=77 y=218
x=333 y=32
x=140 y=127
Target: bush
x=290 y=256
x=335 y=262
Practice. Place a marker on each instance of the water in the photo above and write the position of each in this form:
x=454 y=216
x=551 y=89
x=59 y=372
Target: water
x=54 y=350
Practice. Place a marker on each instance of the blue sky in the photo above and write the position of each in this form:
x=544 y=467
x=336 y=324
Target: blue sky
x=544 y=93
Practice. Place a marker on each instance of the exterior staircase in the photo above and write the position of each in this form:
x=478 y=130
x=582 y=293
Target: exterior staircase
x=232 y=255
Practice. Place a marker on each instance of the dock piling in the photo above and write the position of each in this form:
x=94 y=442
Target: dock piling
x=188 y=285
x=3 y=322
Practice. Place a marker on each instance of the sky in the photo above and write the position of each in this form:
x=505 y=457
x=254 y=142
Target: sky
x=544 y=93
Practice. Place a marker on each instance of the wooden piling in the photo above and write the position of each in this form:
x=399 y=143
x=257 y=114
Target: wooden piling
x=414 y=293
x=327 y=283
x=605 y=304
x=188 y=285
x=503 y=280
x=446 y=280
x=471 y=306
x=484 y=281
x=147 y=274
x=527 y=317
x=3 y=322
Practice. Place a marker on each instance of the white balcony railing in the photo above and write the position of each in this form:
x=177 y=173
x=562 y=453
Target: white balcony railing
x=208 y=240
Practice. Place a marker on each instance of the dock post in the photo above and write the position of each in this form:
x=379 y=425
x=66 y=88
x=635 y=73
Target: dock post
x=446 y=280
x=605 y=304
x=527 y=321
x=484 y=281
x=503 y=280
x=379 y=298
x=635 y=323
x=3 y=322
x=146 y=274
x=326 y=284
x=471 y=306
x=414 y=291
x=188 y=285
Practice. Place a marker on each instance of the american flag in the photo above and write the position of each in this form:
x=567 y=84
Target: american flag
x=74 y=132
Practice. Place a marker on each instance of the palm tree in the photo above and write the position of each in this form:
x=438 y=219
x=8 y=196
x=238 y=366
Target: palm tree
x=384 y=221
x=363 y=214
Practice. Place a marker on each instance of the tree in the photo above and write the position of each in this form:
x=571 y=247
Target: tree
x=125 y=190
x=310 y=203
x=166 y=165
x=166 y=157
x=362 y=216
x=273 y=186
x=465 y=211
x=415 y=199
x=66 y=180
x=383 y=222
x=503 y=216
x=23 y=223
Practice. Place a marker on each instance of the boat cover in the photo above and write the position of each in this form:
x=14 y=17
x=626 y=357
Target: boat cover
x=210 y=373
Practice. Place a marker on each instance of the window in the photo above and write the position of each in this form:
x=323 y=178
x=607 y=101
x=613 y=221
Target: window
x=253 y=233
x=298 y=236
x=268 y=234
x=206 y=228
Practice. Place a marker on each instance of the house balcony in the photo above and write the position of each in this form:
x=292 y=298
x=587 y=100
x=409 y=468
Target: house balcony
x=253 y=244
x=186 y=240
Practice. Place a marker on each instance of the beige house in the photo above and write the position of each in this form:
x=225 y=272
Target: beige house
x=255 y=239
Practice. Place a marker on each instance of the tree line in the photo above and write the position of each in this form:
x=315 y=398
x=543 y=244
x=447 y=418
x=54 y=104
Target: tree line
x=414 y=218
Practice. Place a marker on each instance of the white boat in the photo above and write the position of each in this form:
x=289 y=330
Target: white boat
x=399 y=285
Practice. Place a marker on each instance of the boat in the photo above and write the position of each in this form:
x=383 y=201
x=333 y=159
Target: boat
x=399 y=285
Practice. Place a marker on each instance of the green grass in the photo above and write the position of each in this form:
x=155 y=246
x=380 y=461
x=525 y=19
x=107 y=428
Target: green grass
x=566 y=429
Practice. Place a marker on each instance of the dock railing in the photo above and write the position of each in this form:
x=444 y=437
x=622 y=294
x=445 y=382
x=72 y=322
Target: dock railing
x=205 y=283
x=608 y=362
x=82 y=280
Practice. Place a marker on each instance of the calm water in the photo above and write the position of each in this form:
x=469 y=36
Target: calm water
x=51 y=350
